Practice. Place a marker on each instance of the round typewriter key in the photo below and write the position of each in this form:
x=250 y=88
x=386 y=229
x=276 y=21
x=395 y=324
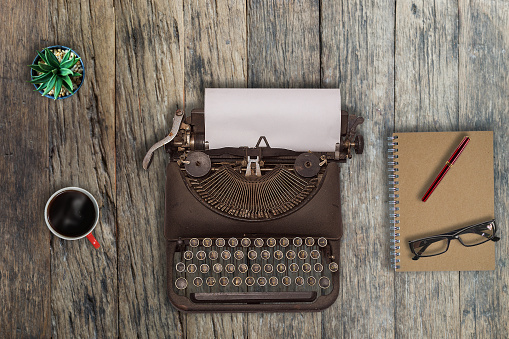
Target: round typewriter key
x=204 y=268
x=299 y=281
x=201 y=255
x=310 y=241
x=188 y=255
x=324 y=282
x=271 y=242
x=180 y=267
x=245 y=242
x=290 y=254
x=233 y=242
x=278 y=255
x=286 y=281
x=218 y=268
x=213 y=255
x=273 y=281
x=220 y=242
x=207 y=242
x=322 y=242
x=268 y=268
x=265 y=255
x=303 y=254
x=297 y=242
x=236 y=281
x=256 y=268
x=230 y=268
x=239 y=255
x=210 y=281
x=223 y=281
x=191 y=268
x=250 y=281
x=284 y=242
x=281 y=268
x=252 y=254
x=318 y=267
x=197 y=281
x=226 y=255
x=315 y=254
x=262 y=281
x=306 y=267
x=311 y=281
x=243 y=268
x=194 y=242
x=181 y=283
x=333 y=267
x=293 y=268
x=258 y=242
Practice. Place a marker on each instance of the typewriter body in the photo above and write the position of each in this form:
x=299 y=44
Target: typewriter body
x=252 y=229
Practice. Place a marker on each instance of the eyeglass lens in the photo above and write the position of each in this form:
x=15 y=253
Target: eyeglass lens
x=428 y=247
x=476 y=235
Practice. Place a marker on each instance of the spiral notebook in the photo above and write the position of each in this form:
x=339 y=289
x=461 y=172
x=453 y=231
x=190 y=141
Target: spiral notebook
x=464 y=197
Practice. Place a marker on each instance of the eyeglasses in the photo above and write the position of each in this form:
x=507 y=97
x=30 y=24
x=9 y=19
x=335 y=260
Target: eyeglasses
x=472 y=235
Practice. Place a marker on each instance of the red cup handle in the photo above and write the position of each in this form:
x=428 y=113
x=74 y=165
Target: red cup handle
x=94 y=242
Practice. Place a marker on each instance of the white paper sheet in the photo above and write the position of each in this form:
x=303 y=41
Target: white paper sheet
x=297 y=119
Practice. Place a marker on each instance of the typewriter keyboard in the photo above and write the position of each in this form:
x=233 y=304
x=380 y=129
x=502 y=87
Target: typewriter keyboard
x=216 y=270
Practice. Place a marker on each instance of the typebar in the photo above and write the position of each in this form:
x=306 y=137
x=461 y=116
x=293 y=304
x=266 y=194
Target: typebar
x=254 y=297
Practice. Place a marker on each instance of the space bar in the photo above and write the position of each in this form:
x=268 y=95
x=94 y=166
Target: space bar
x=253 y=297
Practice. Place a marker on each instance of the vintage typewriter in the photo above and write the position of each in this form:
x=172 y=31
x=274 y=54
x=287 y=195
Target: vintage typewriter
x=252 y=229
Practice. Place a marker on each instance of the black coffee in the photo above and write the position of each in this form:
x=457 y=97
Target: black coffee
x=71 y=214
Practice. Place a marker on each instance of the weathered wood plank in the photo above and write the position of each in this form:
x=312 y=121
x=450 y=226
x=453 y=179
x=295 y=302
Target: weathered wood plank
x=215 y=56
x=484 y=105
x=426 y=100
x=284 y=51
x=84 y=298
x=358 y=57
x=149 y=87
x=25 y=254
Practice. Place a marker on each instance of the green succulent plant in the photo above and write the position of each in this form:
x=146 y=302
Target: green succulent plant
x=54 y=73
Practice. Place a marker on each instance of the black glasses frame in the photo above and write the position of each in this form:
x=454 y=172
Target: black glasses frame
x=451 y=236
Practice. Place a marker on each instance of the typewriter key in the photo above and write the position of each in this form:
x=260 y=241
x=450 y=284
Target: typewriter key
x=245 y=242
x=262 y=281
x=210 y=281
x=303 y=254
x=181 y=283
x=226 y=255
x=188 y=255
x=252 y=254
x=233 y=242
x=273 y=281
x=220 y=242
x=207 y=242
x=333 y=267
x=250 y=281
x=180 y=267
x=286 y=281
x=265 y=255
x=310 y=241
x=290 y=254
x=197 y=281
x=284 y=242
x=213 y=255
x=236 y=281
x=243 y=268
x=293 y=268
x=297 y=242
x=315 y=254
x=322 y=242
x=204 y=268
x=217 y=268
x=306 y=267
x=194 y=242
x=311 y=281
x=239 y=255
x=271 y=242
x=268 y=268
x=278 y=255
x=201 y=255
x=318 y=267
x=324 y=282
x=281 y=268
x=258 y=242
x=191 y=268
x=299 y=281
x=256 y=268
x=223 y=281
x=230 y=268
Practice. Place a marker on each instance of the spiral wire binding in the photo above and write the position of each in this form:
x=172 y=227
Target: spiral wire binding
x=393 y=200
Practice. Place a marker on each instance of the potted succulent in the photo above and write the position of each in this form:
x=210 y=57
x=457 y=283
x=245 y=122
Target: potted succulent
x=57 y=72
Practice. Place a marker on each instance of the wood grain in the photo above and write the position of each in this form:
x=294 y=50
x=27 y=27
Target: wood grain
x=358 y=57
x=484 y=102
x=25 y=255
x=149 y=87
x=426 y=87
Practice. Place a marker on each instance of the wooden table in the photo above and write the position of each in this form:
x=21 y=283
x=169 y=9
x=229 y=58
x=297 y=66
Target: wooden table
x=405 y=66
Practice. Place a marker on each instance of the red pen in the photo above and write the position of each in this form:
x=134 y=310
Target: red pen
x=447 y=167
